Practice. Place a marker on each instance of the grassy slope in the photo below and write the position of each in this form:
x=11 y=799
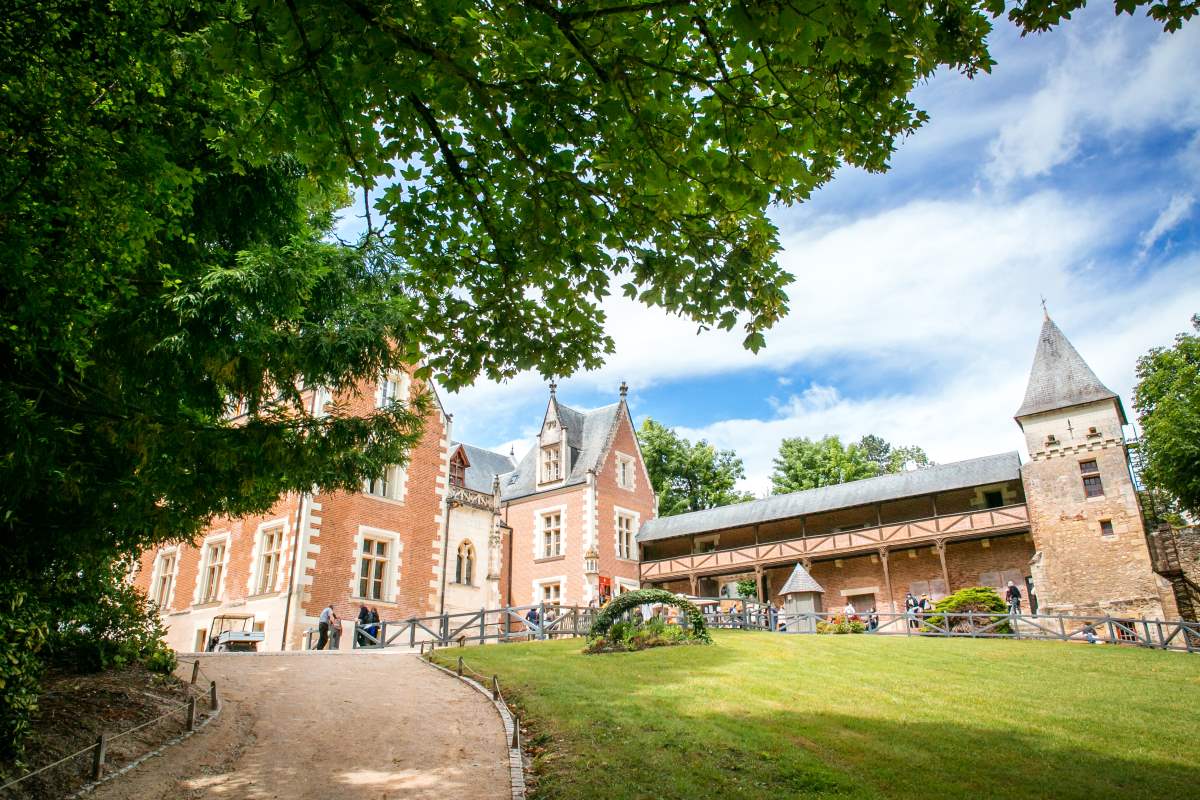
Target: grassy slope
x=762 y=715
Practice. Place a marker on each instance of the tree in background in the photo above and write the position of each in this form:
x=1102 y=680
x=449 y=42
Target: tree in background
x=687 y=476
x=805 y=463
x=1167 y=399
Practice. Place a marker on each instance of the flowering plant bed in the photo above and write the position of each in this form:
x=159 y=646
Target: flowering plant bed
x=616 y=629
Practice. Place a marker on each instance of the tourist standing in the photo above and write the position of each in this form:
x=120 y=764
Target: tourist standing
x=323 y=626
x=335 y=632
x=773 y=616
x=910 y=609
x=850 y=611
x=364 y=616
x=1013 y=596
x=924 y=606
x=373 y=618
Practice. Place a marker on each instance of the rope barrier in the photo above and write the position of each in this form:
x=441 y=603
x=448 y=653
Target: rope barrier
x=40 y=770
x=191 y=689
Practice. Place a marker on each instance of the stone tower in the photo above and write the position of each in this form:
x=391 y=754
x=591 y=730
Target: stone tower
x=1087 y=526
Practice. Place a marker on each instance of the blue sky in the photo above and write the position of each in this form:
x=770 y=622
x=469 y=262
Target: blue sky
x=1072 y=171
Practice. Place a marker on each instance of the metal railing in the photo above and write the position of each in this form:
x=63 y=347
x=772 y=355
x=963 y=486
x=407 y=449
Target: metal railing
x=1159 y=634
x=508 y=624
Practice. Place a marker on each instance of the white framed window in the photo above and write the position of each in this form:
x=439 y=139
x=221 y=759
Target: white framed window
x=625 y=523
x=212 y=575
x=392 y=387
x=388 y=486
x=270 y=547
x=374 y=561
x=549 y=590
x=164 y=578
x=551 y=464
x=625 y=471
x=464 y=564
x=551 y=535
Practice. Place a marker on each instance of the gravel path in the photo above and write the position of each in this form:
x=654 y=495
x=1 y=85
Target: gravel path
x=345 y=725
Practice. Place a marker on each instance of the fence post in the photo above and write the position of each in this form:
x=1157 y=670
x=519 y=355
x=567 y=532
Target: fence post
x=191 y=714
x=446 y=628
x=971 y=622
x=482 y=625
x=214 y=702
x=1112 y=632
x=542 y=620
x=1062 y=627
x=195 y=671
x=412 y=634
x=460 y=666
x=1146 y=628
x=98 y=758
x=495 y=688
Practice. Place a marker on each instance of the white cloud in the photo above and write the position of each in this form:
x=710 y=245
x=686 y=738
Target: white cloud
x=1178 y=209
x=1111 y=81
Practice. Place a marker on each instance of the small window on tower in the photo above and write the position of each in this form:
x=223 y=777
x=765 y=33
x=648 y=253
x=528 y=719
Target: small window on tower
x=993 y=499
x=1106 y=529
x=1092 y=485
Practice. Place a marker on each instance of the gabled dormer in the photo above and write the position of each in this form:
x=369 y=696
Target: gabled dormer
x=553 y=453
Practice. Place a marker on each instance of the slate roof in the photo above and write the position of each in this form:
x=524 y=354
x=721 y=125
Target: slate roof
x=941 y=478
x=485 y=465
x=1060 y=378
x=800 y=581
x=588 y=433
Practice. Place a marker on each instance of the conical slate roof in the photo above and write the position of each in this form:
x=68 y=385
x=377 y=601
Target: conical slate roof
x=800 y=581
x=1060 y=378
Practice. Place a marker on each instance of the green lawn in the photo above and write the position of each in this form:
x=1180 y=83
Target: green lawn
x=771 y=716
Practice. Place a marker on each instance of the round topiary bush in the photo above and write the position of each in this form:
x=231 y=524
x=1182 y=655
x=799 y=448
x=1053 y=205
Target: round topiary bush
x=697 y=630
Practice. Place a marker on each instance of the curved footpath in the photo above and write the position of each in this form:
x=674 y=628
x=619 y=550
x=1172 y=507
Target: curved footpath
x=322 y=725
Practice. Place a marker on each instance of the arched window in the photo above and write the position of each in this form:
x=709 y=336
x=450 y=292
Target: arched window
x=464 y=565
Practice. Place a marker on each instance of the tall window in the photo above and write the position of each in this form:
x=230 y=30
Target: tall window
x=458 y=470
x=373 y=568
x=551 y=535
x=387 y=392
x=386 y=485
x=624 y=472
x=214 y=563
x=268 y=559
x=165 y=576
x=551 y=466
x=1092 y=485
x=464 y=566
x=624 y=536
x=552 y=593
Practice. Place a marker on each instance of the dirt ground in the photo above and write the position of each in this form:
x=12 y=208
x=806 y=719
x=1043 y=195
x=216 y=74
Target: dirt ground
x=345 y=725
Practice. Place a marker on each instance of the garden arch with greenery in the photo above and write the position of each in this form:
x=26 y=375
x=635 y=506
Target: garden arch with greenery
x=640 y=597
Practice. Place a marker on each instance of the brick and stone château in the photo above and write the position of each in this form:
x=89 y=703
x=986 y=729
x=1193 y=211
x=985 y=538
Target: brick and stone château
x=460 y=528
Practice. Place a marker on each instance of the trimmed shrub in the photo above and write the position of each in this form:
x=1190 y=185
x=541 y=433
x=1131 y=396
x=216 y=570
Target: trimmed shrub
x=839 y=624
x=983 y=601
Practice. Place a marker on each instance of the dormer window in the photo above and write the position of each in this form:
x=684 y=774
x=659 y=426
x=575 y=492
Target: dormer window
x=551 y=464
x=458 y=470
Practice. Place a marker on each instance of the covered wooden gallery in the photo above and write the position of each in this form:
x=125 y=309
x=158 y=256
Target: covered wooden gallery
x=928 y=531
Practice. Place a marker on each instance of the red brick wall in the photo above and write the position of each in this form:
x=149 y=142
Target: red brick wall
x=416 y=517
x=610 y=495
x=524 y=517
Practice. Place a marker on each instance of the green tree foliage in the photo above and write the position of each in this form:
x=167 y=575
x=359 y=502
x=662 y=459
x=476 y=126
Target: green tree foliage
x=805 y=463
x=1167 y=399
x=687 y=476
x=975 y=600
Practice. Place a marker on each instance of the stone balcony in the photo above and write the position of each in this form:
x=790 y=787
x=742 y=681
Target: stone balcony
x=898 y=536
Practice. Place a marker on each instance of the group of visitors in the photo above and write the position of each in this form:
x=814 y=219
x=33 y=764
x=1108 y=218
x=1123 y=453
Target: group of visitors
x=916 y=609
x=329 y=627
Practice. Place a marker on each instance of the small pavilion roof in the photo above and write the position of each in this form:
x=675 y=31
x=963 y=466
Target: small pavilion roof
x=800 y=581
